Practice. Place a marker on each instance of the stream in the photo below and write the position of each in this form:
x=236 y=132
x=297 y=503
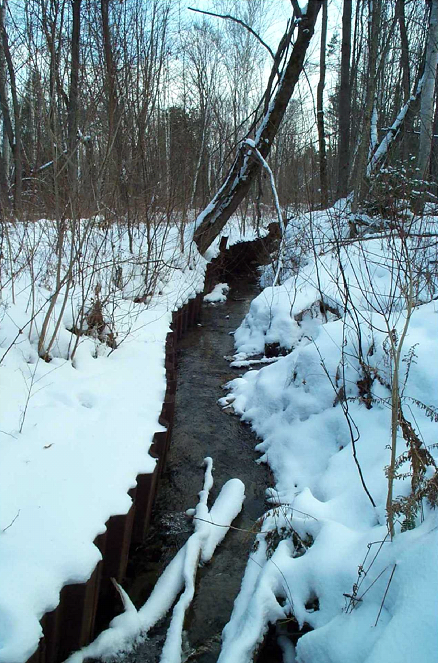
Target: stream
x=202 y=429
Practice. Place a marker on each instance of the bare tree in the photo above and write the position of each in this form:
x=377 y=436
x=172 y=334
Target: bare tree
x=73 y=100
x=344 y=103
x=404 y=60
x=320 y=109
x=374 y=12
x=13 y=131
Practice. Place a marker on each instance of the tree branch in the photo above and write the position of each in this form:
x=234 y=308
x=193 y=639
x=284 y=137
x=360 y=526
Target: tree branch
x=240 y=22
x=297 y=8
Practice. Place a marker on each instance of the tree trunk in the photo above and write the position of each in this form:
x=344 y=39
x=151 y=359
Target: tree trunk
x=375 y=8
x=113 y=144
x=434 y=150
x=245 y=168
x=4 y=171
x=404 y=56
x=320 y=110
x=73 y=102
x=345 y=103
x=428 y=95
x=14 y=133
x=7 y=133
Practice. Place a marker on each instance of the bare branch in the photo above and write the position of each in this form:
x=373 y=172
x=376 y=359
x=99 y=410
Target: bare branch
x=240 y=22
x=12 y=522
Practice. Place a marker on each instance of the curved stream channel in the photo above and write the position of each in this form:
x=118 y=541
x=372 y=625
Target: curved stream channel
x=202 y=429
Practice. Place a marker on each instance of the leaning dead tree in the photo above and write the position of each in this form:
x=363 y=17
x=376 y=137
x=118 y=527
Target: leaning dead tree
x=246 y=167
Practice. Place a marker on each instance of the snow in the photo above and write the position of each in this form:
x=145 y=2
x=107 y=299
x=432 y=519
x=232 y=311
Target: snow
x=200 y=547
x=75 y=431
x=210 y=528
x=324 y=554
x=218 y=294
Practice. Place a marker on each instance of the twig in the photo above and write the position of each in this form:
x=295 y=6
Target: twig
x=29 y=394
x=21 y=330
x=11 y=523
x=286 y=583
x=350 y=424
x=292 y=508
x=10 y=434
x=239 y=529
x=384 y=596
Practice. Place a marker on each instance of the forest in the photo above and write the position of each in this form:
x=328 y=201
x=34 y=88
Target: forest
x=138 y=140
x=123 y=107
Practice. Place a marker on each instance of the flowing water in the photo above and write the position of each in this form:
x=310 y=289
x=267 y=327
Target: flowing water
x=203 y=429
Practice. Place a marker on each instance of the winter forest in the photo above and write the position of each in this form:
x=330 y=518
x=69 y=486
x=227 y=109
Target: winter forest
x=265 y=171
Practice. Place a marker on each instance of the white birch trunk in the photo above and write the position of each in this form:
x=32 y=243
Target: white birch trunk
x=428 y=94
x=392 y=132
x=374 y=137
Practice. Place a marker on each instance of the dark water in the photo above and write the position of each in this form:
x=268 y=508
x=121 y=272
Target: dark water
x=202 y=429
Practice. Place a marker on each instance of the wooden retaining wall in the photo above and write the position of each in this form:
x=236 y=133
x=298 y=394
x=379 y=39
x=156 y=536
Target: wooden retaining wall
x=85 y=609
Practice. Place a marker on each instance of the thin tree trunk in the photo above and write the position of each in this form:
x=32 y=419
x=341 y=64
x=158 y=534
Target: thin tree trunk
x=245 y=168
x=404 y=58
x=434 y=150
x=5 y=148
x=113 y=144
x=345 y=103
x=199 y=162
x=375 y=8
x=73 y=102
x=404 y=61
x=320 y=110
x=14 y=134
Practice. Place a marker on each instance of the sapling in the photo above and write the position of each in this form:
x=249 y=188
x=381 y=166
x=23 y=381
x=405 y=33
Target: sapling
x=29 y=395
x=396 y=344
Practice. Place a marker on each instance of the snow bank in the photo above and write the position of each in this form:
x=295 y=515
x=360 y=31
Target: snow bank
x=75 y=431
x=75 y=434
x=237 y=230
x=324 y=554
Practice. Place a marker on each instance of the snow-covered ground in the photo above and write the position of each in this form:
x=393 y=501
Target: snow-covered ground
x=324 y=557
x=75 y=430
